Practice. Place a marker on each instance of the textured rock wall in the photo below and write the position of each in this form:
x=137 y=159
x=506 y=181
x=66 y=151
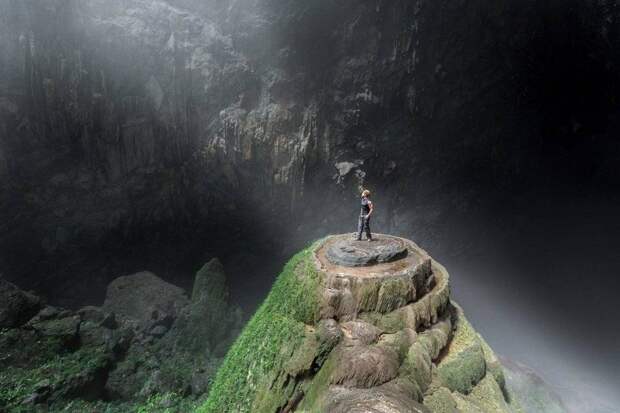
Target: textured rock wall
x=125 y=117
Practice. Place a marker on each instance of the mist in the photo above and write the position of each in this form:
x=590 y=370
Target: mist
x=140 y=135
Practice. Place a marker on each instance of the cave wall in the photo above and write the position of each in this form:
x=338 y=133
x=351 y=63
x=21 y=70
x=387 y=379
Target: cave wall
x=132 y=127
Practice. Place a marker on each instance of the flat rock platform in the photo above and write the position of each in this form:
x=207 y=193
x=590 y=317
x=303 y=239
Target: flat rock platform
x=350 y=252
x=385 y=256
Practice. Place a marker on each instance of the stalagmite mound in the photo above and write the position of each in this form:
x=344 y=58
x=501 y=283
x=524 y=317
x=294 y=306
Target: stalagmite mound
x=335 y=335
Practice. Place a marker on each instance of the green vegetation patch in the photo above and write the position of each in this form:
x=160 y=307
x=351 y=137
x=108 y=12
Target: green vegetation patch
x=275 y=331
x=393 y=294
x=171 y=402
x=463 y=366
x=441 y=401
x=16 y=383
x=486 y=396
x=167 y=403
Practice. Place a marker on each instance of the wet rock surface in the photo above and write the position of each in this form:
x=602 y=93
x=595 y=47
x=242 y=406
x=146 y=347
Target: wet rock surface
x=353 y=253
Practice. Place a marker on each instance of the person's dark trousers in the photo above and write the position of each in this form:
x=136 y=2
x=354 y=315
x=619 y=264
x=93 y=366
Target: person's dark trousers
x=363 y=224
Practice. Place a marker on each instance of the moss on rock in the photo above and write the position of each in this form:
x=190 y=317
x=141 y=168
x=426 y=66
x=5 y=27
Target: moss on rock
x=485 y=397
x=323 y=341
x=463 y=365
x=441 y=401
x=245 y=382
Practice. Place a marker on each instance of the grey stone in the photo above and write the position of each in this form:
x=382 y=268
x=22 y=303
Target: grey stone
x=376 y=400
x=146 y=299
x=65 y=328
x=91 y=313
x=353 y=253
x=48 y=313
x=158 y=331
x=16 y=306
x=360 y=332
x=109 y=321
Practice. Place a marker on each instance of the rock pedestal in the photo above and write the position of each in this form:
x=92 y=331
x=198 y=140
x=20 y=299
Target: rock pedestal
x=361 y=276
x=403 y=346
x=351 y=252
x=360 y=327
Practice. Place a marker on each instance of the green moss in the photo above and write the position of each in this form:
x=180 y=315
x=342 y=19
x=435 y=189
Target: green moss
x=463 y=365
x=266 y=343
x=318 y=388
x=418 y=366
x=393 y=294
x=486 y=397
x=166 y=403
x=441 y=401
x=390 y=323
x=368 y=296
x=493 y=364
x=25 y=348
x=18 y=383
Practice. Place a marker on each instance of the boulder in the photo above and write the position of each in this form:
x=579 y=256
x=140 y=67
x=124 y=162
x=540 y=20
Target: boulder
x=464 y=364
x=146 y=299
x=376 y=400
x=64 y=330
x=16 y=306
x=366 y=366
x=360 y=332
x=210 y=322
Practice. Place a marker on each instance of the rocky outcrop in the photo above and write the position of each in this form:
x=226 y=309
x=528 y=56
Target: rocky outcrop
x=396 y=343
x=147 y=339
x=16 y=306
x=350 y=253
x=146 y=299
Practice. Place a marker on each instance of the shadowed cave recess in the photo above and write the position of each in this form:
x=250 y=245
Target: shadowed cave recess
x=156 y=135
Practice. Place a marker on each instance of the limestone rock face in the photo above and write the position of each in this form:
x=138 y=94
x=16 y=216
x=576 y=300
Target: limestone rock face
x=145 y=298
x=116 y=114
x=397 y=342
x=209 y=321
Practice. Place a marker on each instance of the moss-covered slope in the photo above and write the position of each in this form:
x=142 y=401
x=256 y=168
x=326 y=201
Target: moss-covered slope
x=252 y=376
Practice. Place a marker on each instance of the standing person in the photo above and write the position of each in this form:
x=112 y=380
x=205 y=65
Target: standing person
x=364 y=220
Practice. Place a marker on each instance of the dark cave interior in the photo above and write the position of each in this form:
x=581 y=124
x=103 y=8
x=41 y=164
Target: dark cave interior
x=504 y=136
